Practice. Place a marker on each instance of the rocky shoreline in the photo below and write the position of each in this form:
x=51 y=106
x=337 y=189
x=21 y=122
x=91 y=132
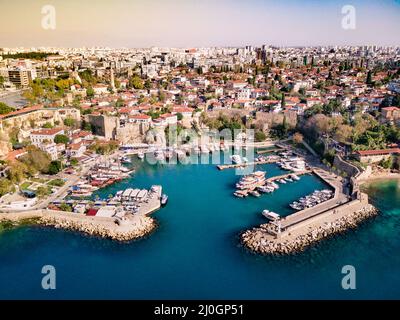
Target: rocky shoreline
x=255 y=239
x=129 y=232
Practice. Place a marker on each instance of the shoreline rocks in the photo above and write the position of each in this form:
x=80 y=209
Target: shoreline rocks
x=255 y=239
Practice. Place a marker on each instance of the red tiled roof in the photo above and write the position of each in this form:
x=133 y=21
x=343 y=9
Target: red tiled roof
x=391 y=109
x=47 y=132
x=11 y=156
x=140 y=117
x=378 y=152
x=21 y=111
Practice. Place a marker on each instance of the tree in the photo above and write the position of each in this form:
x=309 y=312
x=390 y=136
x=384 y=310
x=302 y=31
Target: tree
x=5 y=186
x=90 y=92
x=4 y=109
x=387 y=163
x=369 y=77
x=47 y=125
x=61 y=138
x=344 y=133
x=179 y=116
x=36 y=160
x=54 y=167
x=136 y=83
x=283 y=102
x=298 y=138
x=2 y=80
x=260 y=136
x=16 y=172
x=42 y=192
x=73 y=162
x=69 y=122
x=147 y=84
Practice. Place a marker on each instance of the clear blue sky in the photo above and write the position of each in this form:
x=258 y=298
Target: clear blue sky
x=195 y=23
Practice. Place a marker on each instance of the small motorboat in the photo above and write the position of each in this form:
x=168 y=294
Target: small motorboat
x=164 y=199
x=255 y=193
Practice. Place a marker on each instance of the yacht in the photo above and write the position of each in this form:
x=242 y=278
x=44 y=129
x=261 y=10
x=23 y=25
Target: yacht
x=283 y=181
x=251 y=181
x=140 y=155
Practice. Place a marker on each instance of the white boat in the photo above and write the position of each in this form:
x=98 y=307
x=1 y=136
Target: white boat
x=288 y=180
x=164 y=199
x=159 y=155
x=271 y=215
x=273 y=184
x=283 y=181
x=295 y=177
x=236 y=159
x=140 y=155
x=126 y=160
x=255 y=194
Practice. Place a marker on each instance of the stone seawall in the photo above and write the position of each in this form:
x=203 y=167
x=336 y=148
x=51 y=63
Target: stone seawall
x=258 y=239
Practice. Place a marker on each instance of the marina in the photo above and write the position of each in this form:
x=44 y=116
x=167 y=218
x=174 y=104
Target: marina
x=181 y=232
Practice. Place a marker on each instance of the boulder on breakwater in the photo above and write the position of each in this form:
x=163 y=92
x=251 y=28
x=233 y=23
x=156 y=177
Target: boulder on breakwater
x=257 y=240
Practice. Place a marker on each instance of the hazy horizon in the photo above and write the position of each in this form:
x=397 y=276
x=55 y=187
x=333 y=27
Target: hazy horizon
x=195 y=23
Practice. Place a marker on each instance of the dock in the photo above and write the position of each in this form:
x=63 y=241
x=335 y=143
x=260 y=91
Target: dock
x=245 y=193
x=244 y=165
x=270 y=150
x=283 y=176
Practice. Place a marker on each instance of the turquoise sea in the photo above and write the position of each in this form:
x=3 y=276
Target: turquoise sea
x=195 y=252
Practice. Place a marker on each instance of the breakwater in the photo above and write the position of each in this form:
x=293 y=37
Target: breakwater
x=259 y=239
x=128 y=229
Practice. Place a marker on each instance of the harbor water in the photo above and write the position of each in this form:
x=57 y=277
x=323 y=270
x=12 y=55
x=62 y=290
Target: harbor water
x=195 y=252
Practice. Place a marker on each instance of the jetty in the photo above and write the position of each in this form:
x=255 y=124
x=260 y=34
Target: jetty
x=301 y=229
x=244 y=165
x=126 y=229
x=288 y=175
x=270 y=150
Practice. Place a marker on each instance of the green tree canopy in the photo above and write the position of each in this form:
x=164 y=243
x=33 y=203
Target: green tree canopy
x=4 y=109
x=61 y=138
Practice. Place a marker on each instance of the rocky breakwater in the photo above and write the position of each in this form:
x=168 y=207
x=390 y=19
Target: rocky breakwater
x=124 y=230
x=259 y=240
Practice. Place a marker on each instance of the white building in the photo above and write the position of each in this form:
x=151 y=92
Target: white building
x=43 y=135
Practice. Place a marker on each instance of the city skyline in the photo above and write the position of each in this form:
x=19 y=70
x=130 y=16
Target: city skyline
x=177 y=23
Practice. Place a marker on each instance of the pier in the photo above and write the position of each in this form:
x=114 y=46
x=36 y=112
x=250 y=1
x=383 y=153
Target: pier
x=283 y=176
x=270 y=150
x=244 y=165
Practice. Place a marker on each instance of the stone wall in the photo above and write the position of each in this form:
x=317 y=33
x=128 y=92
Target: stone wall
x=104 y=126
x=132 y=133
x=350 y=169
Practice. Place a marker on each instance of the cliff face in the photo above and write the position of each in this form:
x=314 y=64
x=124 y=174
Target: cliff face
x=5 y=145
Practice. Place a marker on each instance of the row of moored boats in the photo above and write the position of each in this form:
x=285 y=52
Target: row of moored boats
x=317 y=197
